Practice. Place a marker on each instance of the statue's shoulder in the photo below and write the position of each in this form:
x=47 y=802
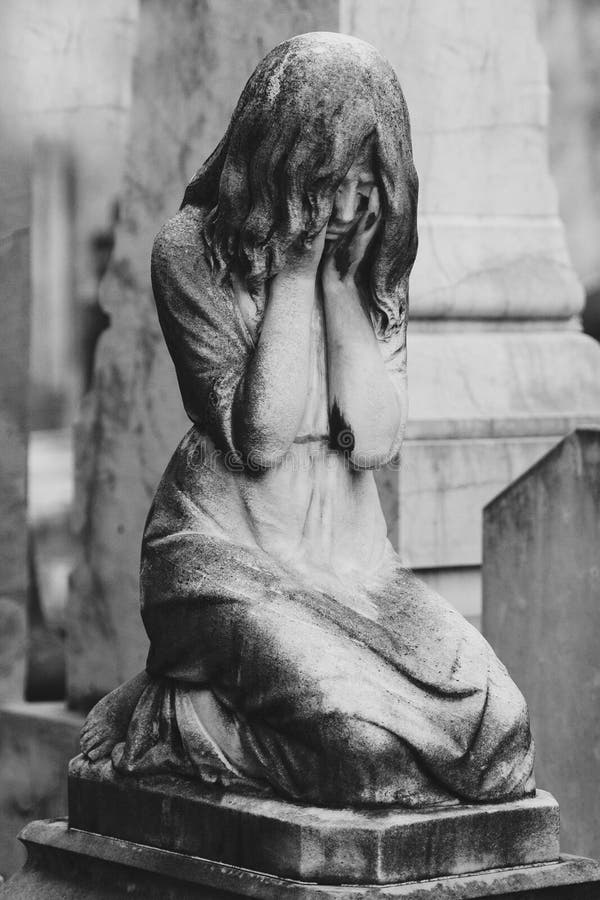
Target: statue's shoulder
x=180 y=250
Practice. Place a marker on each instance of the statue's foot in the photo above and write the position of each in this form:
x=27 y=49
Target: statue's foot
x=107 y=723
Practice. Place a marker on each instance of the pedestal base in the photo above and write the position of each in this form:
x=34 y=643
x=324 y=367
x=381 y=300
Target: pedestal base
x=307 y=843
x=68 y=864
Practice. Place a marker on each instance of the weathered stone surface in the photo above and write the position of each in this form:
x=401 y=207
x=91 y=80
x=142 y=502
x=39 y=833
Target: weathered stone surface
x=192 y=61
x=541 y=611
x=311 y=843
x=36 y=742
x=498 y=384
x=73 y=865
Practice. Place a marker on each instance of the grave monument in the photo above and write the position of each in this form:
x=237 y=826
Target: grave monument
x=313 y=720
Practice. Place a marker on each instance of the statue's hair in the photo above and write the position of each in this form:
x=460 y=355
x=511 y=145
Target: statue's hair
x=300 y=122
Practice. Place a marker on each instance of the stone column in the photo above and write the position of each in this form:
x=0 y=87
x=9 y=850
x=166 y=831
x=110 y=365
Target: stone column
x=14 y=367
x=498 y=370
x=570 y=32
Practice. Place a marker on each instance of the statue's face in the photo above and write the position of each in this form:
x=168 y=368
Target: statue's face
x=352 y=196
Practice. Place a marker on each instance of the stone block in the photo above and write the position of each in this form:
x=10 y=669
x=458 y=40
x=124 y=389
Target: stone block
x=433 y=504
x=296 y=841
x=541 y=613
x=500 y=384
x=36 y=742
x=67 y=864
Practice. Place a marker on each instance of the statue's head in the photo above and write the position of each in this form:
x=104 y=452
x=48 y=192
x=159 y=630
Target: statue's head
x=314 y=108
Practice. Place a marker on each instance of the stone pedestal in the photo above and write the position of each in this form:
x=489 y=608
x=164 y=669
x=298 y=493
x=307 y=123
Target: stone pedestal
x=68 y=864
x=289 y=840
x=163 y=837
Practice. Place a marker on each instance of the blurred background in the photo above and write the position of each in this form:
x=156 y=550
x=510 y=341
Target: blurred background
x=66 y=71
x=105 y=113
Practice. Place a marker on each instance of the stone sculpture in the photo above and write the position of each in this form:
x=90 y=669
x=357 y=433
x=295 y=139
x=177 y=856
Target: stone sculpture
x=290 y=651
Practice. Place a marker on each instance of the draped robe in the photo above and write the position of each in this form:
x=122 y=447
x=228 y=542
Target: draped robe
x=290 y=650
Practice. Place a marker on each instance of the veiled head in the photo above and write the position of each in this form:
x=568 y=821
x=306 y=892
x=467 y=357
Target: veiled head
x=307 y=112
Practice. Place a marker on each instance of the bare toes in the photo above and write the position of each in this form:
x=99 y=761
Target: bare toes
x=88 y=739
x=100 y=751
x=86 y=747
x=92 y=741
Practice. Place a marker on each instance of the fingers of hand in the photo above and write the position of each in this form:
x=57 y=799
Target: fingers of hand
x=239 y=288
x=371 y=216
x=305 y=254
x=315 y=247
x=374 y=204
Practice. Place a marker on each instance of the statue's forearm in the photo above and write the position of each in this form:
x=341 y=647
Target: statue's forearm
x=366 y=412
x=271 y=397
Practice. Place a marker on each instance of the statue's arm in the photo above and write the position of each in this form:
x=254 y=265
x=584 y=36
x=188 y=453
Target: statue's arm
x=367 y=394
x=271 y=395
x=250 y=398
x=394 y=353
x=203 y=330
x=367 y=405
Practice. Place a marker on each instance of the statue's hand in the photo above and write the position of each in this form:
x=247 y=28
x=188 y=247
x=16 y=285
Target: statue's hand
x=343 y=257
x=303 y=257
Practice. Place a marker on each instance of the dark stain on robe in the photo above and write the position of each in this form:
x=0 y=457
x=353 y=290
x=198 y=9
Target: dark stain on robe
x=342 y=259
x=341 y=436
